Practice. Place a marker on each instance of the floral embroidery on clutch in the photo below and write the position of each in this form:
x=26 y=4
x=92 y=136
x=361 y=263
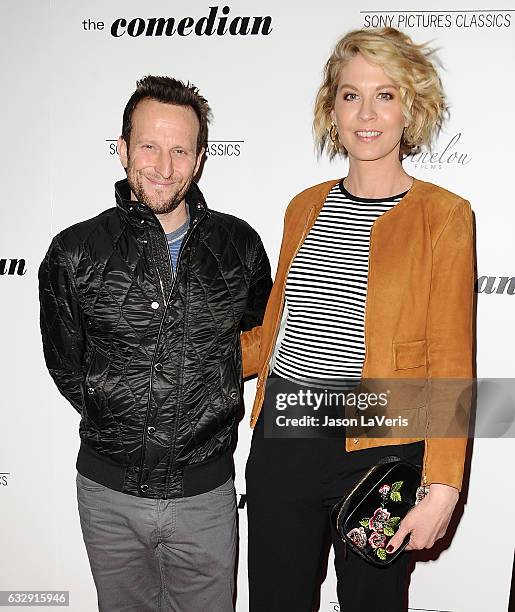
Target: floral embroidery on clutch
x=358 y=536
x=381 y=525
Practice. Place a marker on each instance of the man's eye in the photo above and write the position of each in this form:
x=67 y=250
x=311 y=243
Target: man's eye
x=148 y=146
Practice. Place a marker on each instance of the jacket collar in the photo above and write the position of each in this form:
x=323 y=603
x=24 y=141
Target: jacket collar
x=312 y=200
x=414 y=194
x=137 y=213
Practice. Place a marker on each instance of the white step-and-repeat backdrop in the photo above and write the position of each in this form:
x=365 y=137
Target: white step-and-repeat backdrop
x=67 y=71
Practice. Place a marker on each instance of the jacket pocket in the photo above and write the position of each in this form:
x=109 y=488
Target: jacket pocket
x=407 y=355
x=230 y=388
x=94 y=381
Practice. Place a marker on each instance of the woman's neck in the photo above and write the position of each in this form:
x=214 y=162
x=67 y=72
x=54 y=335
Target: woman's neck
x=376 y=179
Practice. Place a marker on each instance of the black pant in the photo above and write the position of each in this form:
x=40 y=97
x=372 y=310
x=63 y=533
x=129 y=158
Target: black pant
x=292 y=485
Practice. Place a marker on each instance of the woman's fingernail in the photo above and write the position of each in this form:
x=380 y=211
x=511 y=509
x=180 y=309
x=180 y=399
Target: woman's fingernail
x=389 y=548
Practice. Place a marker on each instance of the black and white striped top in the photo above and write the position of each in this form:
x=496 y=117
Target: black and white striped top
x=326 y=291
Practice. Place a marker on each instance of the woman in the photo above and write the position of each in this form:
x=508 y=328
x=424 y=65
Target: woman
x=375 y=279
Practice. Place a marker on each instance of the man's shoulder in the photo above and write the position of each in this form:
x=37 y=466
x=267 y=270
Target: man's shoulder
x=75 y=236
x=232 y=224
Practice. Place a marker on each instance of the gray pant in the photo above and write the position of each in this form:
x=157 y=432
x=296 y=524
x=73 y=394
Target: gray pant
x=157 y=555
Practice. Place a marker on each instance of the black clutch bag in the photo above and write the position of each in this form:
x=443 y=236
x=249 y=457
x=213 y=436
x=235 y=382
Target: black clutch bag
x=369 y=516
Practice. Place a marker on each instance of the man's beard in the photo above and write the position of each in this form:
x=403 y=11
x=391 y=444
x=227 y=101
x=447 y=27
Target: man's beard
x=159 y=207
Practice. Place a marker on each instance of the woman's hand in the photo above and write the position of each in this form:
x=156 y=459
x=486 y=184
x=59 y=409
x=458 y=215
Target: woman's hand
x=427 y=521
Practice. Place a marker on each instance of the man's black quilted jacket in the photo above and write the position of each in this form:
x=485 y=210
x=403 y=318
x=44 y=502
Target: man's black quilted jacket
x=152 y=360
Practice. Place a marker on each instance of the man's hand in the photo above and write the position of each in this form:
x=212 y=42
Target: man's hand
x=427 y=521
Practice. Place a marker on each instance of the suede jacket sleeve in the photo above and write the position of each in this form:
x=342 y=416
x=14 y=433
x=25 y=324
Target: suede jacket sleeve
x=449 y=335
x=259 y=290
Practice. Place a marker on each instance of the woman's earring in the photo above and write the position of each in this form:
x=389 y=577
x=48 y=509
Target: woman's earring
x=333 y=135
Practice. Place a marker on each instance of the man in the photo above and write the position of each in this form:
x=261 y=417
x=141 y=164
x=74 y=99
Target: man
x=141 y=313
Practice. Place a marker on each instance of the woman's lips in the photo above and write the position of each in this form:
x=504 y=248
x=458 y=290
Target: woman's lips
x=367 y=135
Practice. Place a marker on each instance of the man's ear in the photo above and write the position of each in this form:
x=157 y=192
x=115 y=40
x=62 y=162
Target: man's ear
x=122 y=152
x=199 y=160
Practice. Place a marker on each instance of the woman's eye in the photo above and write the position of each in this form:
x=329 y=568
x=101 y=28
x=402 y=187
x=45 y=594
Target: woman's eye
x=350 y=96
x=385 y=96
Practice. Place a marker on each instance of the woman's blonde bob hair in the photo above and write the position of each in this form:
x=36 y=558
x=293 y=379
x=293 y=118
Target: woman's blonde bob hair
x=410 y=67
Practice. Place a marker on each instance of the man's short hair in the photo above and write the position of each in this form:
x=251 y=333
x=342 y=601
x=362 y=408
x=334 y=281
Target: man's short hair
x=168 y=91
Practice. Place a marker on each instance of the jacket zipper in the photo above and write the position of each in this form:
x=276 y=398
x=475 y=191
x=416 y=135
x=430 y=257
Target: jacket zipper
x=162 y=287
x=174 y=282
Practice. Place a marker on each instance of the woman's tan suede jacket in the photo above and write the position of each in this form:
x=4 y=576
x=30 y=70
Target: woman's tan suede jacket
x=419 y=305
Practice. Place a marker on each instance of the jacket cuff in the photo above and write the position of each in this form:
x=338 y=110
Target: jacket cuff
x=444 y=461
x=250 y=345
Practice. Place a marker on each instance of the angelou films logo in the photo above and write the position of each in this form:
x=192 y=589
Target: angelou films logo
x=450 y=152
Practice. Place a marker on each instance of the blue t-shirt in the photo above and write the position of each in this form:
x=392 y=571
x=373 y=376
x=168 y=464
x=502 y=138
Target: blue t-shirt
x=175 y=239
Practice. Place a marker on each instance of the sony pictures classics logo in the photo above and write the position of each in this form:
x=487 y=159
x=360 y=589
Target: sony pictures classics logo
x=215 y=148
x=467 y=19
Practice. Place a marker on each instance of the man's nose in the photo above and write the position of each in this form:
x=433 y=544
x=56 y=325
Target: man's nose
x=164 y=165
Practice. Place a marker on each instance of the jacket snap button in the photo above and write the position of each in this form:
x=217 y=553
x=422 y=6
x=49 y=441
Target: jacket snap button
x=158 y=367
x=91 y=390
x=144 y=488
x=142 y=221
x=151 y=430
x=233 y=395
x=199 y=205
x=154 y=305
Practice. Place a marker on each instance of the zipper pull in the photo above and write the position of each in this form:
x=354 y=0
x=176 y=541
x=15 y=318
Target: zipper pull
x=162 y=287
